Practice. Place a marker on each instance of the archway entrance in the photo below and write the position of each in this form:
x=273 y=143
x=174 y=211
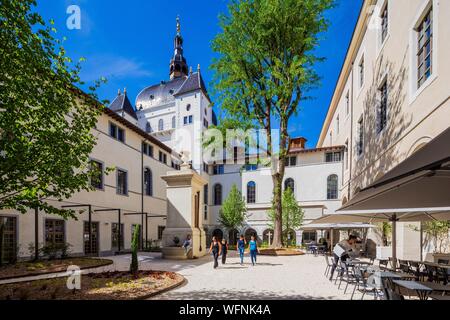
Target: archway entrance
x=249 y=233
x=218 y=234
x=268 y=236
x=233 y=236
x=291 y=238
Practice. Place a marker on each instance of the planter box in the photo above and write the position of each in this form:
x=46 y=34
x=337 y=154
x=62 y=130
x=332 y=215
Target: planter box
x=435 y=257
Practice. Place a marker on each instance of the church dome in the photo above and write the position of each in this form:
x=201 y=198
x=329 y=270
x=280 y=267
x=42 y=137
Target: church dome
x=159 y=94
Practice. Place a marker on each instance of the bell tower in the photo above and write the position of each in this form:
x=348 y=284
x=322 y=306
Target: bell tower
x=178 y=65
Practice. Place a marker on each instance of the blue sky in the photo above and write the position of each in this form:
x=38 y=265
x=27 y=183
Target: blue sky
x=131 y=43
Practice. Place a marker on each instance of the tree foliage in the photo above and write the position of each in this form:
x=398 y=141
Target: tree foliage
x=265 y=69
x=439 y=232
x=292 y=214
x=45 y=121
x=233 y=212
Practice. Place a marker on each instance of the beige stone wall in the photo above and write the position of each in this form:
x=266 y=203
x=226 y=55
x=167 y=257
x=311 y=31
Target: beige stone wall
x=113 y=154
x=415 y=115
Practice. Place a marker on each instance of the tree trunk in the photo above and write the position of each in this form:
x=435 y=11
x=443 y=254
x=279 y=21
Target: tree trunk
x=278 y=228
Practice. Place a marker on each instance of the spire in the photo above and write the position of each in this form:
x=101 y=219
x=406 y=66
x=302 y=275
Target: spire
x=178 y=65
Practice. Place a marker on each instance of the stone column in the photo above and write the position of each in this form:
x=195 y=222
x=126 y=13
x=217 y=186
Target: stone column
x=184 y=214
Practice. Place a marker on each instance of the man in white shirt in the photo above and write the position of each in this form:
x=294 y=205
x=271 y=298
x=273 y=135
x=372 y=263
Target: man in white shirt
x=344 y=250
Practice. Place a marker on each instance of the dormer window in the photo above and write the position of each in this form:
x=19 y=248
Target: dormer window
x=171 y=91
x=152 y=97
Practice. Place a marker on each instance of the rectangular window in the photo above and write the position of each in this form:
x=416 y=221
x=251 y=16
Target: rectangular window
x=382 y=108
x=165 y=158
x=116 y=132
x=384 y=22
x=360 y=142
x=94 y=236
x=97 y=174
x=190 y=119
x=160 y=231
x=120 y=134
x=160 y=156
x=9 y=239
x=185 y=120
x=337 y=124
x=290 y=161
x=205 y=194
x=205 y=123
x=218 y=169
x=333 y=157
x=54 y=232
x=205 y=168
x=361 y=72
x=115 y=235
x=251 y=167
x=425 y=49
x=122 y=182
x=147 y=149
x=347 y=103
x=113 y=130
x=346 y=155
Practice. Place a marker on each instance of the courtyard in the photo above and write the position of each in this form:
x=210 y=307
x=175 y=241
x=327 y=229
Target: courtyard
x=282 y=277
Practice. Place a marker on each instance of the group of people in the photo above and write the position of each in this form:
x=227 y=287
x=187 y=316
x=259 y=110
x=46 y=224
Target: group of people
x=220 y=248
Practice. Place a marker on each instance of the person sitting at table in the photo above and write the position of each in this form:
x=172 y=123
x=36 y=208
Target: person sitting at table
x=344 y=250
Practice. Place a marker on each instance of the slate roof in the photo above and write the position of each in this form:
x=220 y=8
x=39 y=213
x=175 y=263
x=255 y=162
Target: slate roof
x=122 y=103
x=192 y=83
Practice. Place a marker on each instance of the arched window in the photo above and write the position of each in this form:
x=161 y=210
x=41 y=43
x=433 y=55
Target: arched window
x=161 y=125
x=173 y=122
x=148 y=182
x=332 y=187
x=251 y=192
x=289 y=183
x=218 y=194
x=148 y=127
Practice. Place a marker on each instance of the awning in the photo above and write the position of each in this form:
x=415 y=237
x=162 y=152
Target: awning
x=336 y=226
x=419 y=184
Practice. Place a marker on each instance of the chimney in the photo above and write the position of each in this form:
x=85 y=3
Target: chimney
x=118 y=92
x=297 y=143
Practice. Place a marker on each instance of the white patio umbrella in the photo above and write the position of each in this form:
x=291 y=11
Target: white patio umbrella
x=418 y=190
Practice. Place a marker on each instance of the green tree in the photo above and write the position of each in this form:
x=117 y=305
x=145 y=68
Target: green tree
x=45 y=120
x=233 y=212
x=385 y=228
x=265 y=69
x=292 y=214
x=134 y=265
x=438 y=231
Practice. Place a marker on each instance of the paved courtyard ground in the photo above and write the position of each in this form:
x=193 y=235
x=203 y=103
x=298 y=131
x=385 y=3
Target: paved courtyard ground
x=295 y=277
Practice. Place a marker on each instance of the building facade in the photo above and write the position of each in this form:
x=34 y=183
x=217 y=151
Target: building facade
x=136 y=145
x=392 y=96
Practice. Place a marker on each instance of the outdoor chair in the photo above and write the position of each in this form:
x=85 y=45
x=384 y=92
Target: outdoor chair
x=430 y=272
x=362 y=284
x=416 y=270
x=347 y=275
x=383 y=264
x=338 y=269
x=390 y=291
x=404 y=266
x=442 y=275
x=329 y=265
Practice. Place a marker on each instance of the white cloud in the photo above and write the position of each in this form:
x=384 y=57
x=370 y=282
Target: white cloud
x=110 y=66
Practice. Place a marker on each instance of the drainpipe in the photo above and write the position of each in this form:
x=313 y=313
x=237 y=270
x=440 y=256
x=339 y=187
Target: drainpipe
x=142 y=195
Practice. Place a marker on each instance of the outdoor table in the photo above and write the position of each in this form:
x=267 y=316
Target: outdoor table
x=421 y=290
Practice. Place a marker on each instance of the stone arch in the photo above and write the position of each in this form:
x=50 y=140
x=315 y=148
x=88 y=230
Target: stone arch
x=344 y=201
x=218 y=234
x=233 y=236
x=419 y=144
x=250 y=232
x=266 y=236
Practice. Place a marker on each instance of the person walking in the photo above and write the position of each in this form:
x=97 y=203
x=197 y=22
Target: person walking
x=224 y=250
x=216 y=249
x=241 y=248
x=253 y=249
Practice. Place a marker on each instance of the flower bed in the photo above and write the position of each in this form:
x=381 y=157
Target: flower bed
x=281 y=252
x=117 y=285
x=34 y=268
